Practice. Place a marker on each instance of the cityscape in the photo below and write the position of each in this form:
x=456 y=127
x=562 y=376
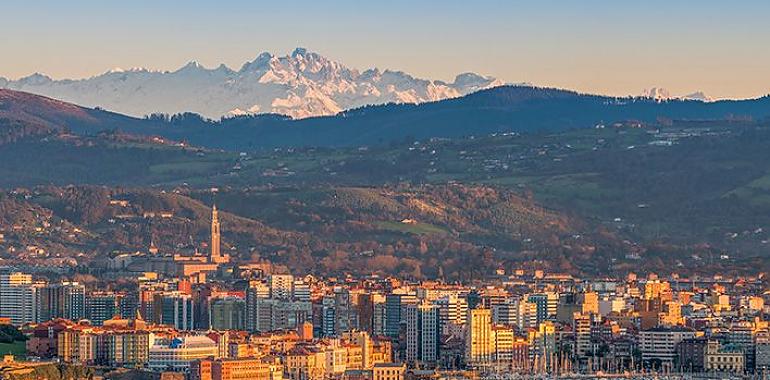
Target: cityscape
x=384 y=190
x=199 y=317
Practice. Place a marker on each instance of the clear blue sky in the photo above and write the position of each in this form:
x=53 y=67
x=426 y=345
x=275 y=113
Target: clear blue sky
x=613 y=46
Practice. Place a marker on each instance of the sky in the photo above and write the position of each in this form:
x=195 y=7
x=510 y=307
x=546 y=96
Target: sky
x=611 y=47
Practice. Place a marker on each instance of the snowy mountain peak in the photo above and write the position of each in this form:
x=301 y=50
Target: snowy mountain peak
x=656 y=93
x=192 y=66
x=661 y=94
x=699 y=95
x=36 y=79
x=259 y=63
x=301 y=84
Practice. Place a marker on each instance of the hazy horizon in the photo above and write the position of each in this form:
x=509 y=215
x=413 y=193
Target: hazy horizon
x=595 y=47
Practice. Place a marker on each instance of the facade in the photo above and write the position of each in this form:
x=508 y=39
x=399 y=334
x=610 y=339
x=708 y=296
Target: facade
x=543 y=346
x=762 y=352
x=175 y=309
x=227 y=313
x=422 y=333
x=546 y=305
x=120 y=343
x=453 y=311
x=305 y=363
x=232 y=369
x=724 y=359
x=281 y=286
x=19 y=298
x=691 y=353
x=658 y=345
x=100 y=307
x=581 y=326
x=479 y=344
x=395 y=306
x=179 y=353
x=65 y=300
x=389 y=371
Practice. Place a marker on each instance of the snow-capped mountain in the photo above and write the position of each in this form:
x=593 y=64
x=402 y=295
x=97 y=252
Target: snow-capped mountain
x=300 y=85
x=656 y=93
x=660 y=94
x=698 y=95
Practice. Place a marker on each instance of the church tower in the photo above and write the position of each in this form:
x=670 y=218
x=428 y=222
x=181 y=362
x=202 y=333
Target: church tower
x=214 y=255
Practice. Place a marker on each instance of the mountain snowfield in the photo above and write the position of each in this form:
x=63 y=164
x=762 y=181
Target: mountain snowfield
x=300 y=85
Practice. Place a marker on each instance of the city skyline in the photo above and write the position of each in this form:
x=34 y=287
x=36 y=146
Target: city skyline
x=400 y=190
x=595 y=47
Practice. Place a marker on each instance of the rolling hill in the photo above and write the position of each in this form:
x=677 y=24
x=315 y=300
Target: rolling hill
x=518 y=109
x=650 y=192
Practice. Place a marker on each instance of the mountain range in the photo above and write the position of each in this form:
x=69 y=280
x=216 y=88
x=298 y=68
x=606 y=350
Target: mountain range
x=659 y=93
x=301 y=84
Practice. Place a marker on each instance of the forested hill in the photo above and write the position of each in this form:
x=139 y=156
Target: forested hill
x=503 y=109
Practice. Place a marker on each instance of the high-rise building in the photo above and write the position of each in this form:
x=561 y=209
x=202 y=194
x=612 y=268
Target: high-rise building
x=762 y=352
x=101 y=306
x=589 y=303
x=453 y=311
x=19 y=298
x=300 y=291
x=365 y=312
x=511 y=312
x=742 y=336
x=378 y=318
x=65 y=300
x=582 y=333
x=395 y=304
x=422 y=333
x=611 y=305
x=479 y=346
x=344 y=313
x=128 y=304
x=281 y=286
x=508 y=349
x=547 y=305
x=266 y=314
x=227 y=313
x=328 y=317
x=176 y=310
x=258 y=313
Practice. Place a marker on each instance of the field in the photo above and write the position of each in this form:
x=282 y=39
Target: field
x=18 y=349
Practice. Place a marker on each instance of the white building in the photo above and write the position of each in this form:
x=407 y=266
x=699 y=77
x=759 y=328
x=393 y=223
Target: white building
x=177 y=355
x=18 y=298
x=660 y=343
